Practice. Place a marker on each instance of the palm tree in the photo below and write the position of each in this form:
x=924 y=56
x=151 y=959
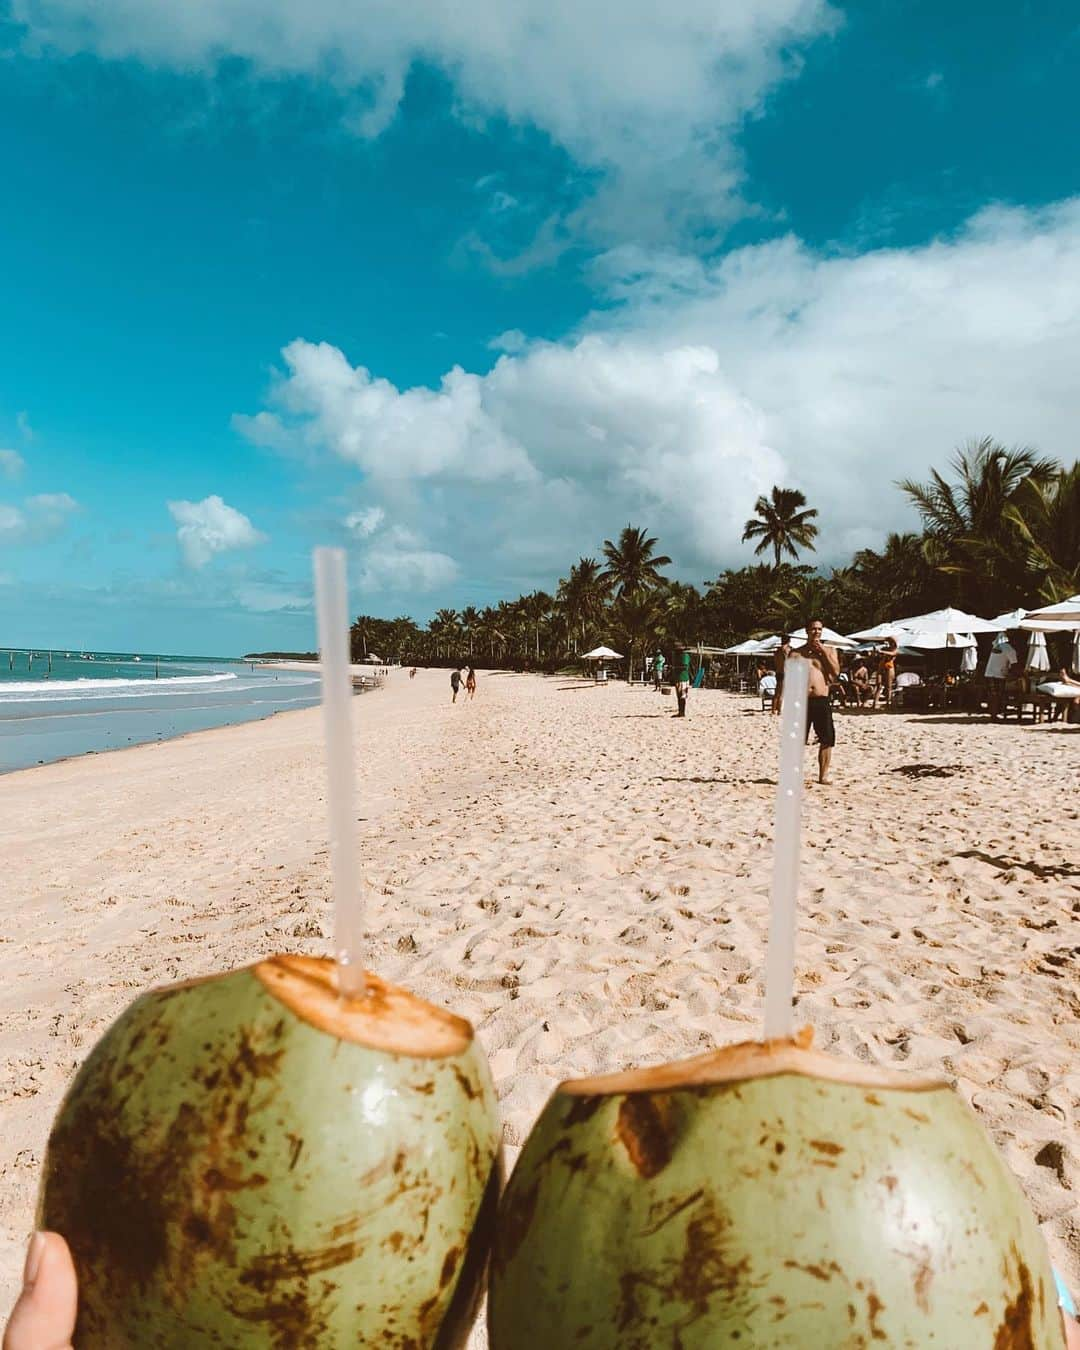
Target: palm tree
x=781 y=523
x=470 y=618
x=970 y=532
x=445 y=630
x=632 y=566
x=582 y=594
x=637 y=617
x=1046 y=519
x=535 y=608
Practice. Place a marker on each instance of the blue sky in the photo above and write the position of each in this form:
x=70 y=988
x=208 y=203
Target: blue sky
x=466 y=292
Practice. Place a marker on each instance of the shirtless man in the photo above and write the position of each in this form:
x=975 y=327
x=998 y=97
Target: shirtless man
x=824 y=667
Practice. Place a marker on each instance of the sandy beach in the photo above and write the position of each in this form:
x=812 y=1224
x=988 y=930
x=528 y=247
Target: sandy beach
x=586 y=878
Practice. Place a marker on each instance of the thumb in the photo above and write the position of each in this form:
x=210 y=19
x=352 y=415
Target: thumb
x=44 y=1316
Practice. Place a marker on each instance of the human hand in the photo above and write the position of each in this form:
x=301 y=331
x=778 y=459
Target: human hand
x=44 y=1315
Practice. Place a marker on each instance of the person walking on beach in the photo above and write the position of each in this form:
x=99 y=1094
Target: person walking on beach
x=470 y=683
x=658 y=670
x=824 y=667
x=455 y=684
x=780 y=657
x=999 y=663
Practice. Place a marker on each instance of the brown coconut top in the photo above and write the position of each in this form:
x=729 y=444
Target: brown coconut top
x=384 y=1017
x=742 y=1062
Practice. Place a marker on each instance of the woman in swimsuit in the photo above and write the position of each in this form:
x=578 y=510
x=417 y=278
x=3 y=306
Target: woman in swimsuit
x=887 y=670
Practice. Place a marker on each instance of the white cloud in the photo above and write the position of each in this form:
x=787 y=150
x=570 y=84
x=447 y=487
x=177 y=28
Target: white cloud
x=390 y=434
x=366 y=522
x=39 y=518
x=399 y=563
x=210 y=527
x=650 y=95
x=870 y=368
x=11 y=463
x=700 y=385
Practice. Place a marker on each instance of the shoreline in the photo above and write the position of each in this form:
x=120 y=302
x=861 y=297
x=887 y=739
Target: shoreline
x=587 y=881
x=104 y=755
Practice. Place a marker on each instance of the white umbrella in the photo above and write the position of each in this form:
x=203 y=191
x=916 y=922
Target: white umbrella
x=1037 y=655
x=879 y=632
x=1065 y=611
x=947 y=620
x=747 y=648
x=602 y=654
x=970 y=660
x=1013 y=619
x=828 y=635
x=935 y=641
x=765 y=646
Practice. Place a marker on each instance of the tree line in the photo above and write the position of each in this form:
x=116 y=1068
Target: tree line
x=1000 y=529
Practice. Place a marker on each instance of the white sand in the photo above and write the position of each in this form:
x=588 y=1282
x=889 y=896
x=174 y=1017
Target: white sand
x=584 y=876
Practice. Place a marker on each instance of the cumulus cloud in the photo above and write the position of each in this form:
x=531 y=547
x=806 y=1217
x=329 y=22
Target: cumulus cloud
x=699 y=385
x=649 y=96
x=366 y=522
x=539 y=441
x=210 y=527
x=11 y=463
x=37 y=519
x=872 y=367
x=400 y=563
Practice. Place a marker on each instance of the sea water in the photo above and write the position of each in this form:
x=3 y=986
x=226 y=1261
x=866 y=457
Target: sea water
x=94 y=701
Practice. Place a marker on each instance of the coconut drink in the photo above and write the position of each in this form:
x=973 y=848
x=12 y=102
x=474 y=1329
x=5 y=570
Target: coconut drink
x=292 y=1154
x=765 y=1195
x=251 y=1160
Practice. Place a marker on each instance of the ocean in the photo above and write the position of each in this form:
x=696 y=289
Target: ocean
x=55 y=705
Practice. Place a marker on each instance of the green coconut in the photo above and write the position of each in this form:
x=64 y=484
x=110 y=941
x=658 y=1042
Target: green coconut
x=253 y=1160
x=765 y=1196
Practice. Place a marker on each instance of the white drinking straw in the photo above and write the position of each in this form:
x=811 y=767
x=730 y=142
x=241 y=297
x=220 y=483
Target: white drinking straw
x=331 y=603
x=780 y=961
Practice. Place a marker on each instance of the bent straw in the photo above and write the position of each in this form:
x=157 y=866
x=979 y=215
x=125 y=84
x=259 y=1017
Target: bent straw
x=780 y=959
x=331 y=603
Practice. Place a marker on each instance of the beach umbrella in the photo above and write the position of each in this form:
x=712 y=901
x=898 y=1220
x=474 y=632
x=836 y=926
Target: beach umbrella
x=930 y=641
x=828 y=635
x=1013 y=619
x=766 y=646
x=602 y=654
x=878 y=633
x=1037 y=656
x=969 y=661
x=745 y=648
x=1064 y=612
x=947 y=620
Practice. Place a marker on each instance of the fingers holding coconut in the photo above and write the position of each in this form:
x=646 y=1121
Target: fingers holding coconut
x=44 y=1315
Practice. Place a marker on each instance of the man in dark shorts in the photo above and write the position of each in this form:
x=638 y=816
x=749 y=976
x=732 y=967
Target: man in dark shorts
x=824 y=668
x=455 y=684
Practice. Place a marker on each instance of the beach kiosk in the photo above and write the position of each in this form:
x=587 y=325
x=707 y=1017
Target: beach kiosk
x=600 y=656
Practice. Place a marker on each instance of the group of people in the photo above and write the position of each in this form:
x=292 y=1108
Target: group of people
x=867 y=677
x=462 y=675
x=1005 y=674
